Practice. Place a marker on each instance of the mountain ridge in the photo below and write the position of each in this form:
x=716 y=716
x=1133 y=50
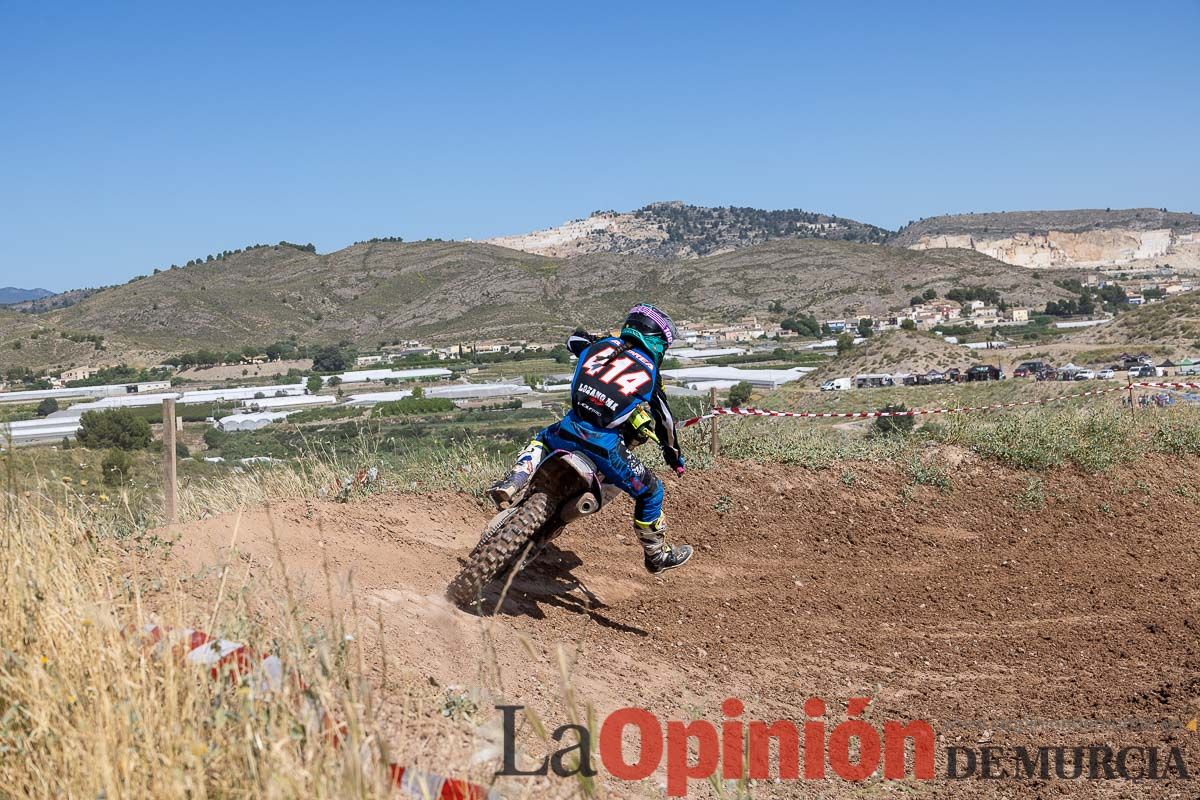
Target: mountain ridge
x=674 y=229
x=12 y=294
x=459 y=291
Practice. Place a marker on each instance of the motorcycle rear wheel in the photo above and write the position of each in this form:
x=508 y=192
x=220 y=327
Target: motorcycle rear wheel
x=496 y=555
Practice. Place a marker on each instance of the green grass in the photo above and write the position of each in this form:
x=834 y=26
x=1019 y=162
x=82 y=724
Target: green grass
x=797 y=398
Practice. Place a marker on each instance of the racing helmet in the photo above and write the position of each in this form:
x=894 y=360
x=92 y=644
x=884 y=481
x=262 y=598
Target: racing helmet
x=650 y=326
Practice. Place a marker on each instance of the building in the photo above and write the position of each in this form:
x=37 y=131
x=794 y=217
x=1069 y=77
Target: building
x=369 y=375
x=985 y=315
x=702 y=353
x=762 y=378
x=77 y=374
x=1017 y=315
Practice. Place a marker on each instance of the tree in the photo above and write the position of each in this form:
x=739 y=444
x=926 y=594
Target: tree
x=418 y=392
x=314 y=384
x=803 y=325
x=331 y=358
x=929 y=294
x=120 y=428
x=916 y=300
x=335 y=381
x=865 y=327
x=845 y=343
x=739 y=393
x=47 y=407
x=908 y=325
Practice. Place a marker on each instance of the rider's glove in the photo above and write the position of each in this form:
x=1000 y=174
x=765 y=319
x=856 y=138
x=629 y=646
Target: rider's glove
x=674 y=460
x=679 y=470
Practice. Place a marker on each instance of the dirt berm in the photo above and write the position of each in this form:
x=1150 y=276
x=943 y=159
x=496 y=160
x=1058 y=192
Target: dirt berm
x=1007 y=609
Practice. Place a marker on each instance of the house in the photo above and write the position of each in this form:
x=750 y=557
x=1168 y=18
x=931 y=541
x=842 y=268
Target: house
x=836 y=325
x=77 y=374
x=1017 y=315
x=986 y=315
x=366 y=361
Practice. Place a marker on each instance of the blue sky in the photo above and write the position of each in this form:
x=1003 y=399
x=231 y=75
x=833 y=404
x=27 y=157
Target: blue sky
x=135 y=136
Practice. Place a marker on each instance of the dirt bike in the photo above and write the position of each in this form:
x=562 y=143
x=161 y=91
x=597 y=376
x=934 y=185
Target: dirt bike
x=565 y=486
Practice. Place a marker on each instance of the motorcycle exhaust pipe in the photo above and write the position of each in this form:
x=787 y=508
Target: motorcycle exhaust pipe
x=586 y=503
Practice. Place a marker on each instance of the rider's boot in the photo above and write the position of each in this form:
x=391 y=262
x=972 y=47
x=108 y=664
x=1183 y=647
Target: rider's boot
x=504 y=490
x=660 y=555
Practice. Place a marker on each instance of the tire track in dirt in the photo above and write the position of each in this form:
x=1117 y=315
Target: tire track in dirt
x=956 y=605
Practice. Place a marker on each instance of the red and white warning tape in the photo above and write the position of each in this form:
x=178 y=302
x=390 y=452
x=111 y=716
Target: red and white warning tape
x=236 y=659
x=915 y=412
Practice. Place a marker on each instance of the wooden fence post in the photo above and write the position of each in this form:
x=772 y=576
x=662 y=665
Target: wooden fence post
x=170 y=487
x=713 y=441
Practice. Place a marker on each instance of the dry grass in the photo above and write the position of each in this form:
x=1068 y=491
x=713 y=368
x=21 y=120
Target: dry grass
x=89 y=709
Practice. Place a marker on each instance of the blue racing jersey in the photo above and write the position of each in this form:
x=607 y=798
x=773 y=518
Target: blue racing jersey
x=613 y=377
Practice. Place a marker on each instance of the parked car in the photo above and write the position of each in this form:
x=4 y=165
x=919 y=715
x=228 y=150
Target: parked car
x=835 y=385
x=984 y=372
x=1085 y=375
x=1106 y=374
x=1142 y=371
x=1027 y=368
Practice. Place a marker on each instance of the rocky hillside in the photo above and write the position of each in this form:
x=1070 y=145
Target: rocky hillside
x=1084 y=238
x=897 y=351
x=451 y=291
x=1173 y=323
x=677 y=230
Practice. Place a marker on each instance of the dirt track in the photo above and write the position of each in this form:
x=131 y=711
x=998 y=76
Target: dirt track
x=963 y=607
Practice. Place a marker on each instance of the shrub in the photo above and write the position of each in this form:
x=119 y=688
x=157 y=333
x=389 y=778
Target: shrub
x=47 y=407
x=181 y=450
x=414 y=405
x=885 y=426
x=314 y=384
x=121 y=428
x=214 y=437
x=739 y=393
x=116 y=467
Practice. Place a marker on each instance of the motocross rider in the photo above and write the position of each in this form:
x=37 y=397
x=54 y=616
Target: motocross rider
x=613 y=377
